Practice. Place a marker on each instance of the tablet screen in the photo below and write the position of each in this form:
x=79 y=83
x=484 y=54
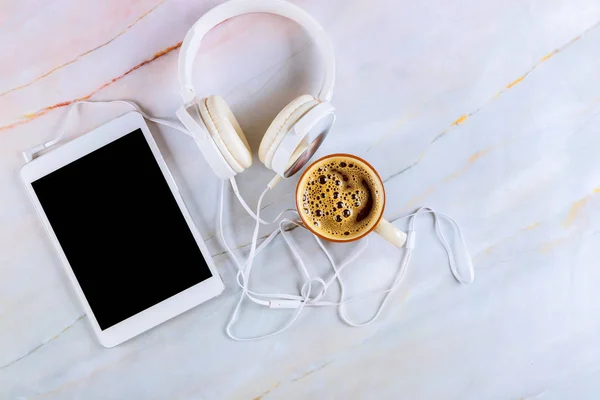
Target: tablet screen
x=121 y=229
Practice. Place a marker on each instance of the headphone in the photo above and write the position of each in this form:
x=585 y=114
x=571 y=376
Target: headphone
x=296 y=132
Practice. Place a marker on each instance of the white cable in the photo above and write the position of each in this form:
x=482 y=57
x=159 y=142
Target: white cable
x=251 y=295
x=410 y=244
x=271 y=184
x=245 y=273
x=30 y=153
x=304 y=299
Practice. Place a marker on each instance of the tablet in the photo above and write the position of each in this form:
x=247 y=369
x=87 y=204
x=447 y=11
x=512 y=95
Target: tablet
x=121 y=230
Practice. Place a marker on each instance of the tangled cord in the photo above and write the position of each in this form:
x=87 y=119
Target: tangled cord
x=304 y=298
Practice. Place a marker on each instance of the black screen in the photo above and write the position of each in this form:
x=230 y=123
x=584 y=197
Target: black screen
x=121 y=229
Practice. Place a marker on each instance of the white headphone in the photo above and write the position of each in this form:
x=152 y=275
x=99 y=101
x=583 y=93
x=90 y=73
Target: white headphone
x=293 y=136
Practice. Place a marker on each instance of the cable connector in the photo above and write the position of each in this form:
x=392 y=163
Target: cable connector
x=276 y=179
x=282 y=303
x=29 y=154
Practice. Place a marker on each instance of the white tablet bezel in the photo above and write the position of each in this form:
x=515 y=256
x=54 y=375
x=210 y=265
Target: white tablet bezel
x=162 y=311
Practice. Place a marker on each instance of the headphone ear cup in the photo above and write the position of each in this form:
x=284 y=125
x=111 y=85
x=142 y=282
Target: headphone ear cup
x=226 y=132
x=282 y=124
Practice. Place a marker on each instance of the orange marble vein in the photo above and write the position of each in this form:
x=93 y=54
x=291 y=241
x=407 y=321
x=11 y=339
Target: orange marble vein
x=575 y=210
x=85 y=53
x=530 y=227
x=312 y=371
x=548 y=56
x=45 y=110
x=515 y=82
x=419 y=198
x=478 y=155
x=267 y=392
x=493 y=246
x=549 y=246
x=460 y=120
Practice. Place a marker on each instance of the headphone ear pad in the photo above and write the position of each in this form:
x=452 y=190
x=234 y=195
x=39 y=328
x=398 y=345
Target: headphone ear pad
x=226 y=132
x=281 y=125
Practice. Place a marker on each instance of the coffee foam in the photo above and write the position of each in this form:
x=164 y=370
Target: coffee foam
x=340 y=197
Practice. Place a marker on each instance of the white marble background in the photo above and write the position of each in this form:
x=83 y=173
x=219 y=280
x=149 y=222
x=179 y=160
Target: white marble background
x=486 y=110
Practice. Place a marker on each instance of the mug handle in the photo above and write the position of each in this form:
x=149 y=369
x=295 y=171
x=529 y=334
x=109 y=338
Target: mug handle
x=390 y=233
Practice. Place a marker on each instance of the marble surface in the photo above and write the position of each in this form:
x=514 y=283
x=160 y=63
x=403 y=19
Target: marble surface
x=486 y=110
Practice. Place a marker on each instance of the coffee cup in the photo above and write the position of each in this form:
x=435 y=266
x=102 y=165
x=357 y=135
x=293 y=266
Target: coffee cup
x=341 y=198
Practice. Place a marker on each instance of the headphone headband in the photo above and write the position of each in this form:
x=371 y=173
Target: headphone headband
x=234 y=8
